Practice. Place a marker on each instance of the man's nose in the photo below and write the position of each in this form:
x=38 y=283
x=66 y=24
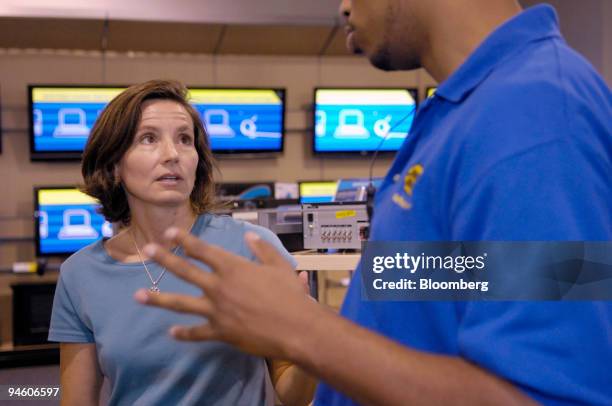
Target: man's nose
x=344 y=11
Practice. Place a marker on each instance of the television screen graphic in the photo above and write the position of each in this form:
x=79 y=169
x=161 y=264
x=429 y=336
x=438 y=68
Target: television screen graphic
x=357 y=120
x=62 y=118
x=242 y=120
x=67 y=220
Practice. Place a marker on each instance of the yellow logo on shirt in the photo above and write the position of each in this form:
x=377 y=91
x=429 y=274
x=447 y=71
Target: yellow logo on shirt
x=401 y=202
x=412 y=176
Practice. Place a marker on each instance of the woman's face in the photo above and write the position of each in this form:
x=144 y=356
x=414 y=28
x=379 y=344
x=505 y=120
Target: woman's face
x=159 y=168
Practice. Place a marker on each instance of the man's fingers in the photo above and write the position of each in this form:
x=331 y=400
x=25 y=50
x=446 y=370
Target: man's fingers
x=201 y=306
x=216 y=257
x=193 y=333
x=303 y=277
x=264 y=251
x=181 y=267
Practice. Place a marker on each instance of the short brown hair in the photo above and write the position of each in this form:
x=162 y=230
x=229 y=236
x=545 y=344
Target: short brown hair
x=113 y=134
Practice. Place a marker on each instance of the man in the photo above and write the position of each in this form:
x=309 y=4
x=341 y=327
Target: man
x=515 y=145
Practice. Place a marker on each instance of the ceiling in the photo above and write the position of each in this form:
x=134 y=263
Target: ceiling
x=300 y=12
x=261 y=27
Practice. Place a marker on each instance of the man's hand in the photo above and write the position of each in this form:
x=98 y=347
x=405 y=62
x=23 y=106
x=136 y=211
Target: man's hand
x=260 y=308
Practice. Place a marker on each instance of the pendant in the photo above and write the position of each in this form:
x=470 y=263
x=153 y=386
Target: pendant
x=154 y=289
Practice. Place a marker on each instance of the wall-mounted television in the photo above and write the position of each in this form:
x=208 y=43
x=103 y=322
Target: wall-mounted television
x=61 y=118
x=357 y=120
x=246 y=120
x=66 y=220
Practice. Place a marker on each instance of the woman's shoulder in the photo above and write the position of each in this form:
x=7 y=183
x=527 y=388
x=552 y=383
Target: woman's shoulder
x=218 y=222
x=83 y=259
x=228 y=233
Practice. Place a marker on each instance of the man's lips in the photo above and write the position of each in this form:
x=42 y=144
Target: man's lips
x=350 y=40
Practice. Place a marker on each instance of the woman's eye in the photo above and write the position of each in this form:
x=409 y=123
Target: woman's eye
x=147 y=139
x=186 y=139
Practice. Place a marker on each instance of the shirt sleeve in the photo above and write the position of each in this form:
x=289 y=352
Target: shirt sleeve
x=557 y=352
x=270 y=237
x=66 y=322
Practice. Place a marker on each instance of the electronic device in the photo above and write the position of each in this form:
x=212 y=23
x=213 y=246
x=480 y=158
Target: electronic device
x=32 y=304
x=286 y=190
x=66 y=220
x=61 y=118
x=317 y=191
x=245 y=120
x=356 y=120
x=355 y=190
x=241 y=191
x=334 y=226
x=286 y=222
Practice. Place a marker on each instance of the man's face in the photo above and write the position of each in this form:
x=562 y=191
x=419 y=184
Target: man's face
x=384 y=30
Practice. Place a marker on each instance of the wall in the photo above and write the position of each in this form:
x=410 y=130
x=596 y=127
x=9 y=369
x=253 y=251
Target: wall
x=298 y=74
x=583 y=24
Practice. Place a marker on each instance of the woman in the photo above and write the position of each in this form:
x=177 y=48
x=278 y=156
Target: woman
x=149 y=164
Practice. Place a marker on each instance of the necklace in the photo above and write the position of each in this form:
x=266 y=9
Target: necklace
x=154 y=282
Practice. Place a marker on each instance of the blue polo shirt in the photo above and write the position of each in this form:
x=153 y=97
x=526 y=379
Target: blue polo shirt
x=515 y=145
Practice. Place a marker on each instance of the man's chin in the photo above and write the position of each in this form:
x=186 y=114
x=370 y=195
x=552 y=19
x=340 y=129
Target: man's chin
x=382 y=61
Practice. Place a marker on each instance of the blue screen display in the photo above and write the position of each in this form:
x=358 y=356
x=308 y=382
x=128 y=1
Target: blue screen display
x=237 y=120
x=357 y=120
x=242 y=120
x=63 y=126
x=67 y=220
x=62 y=117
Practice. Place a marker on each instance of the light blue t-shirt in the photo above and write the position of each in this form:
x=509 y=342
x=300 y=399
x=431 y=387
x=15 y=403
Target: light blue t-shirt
x=144 y=365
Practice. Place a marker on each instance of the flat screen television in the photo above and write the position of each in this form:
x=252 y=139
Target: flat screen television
x=246 y=120
x=61 y=118
x=357 y=120
x=317 y=191
x=66 y=220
